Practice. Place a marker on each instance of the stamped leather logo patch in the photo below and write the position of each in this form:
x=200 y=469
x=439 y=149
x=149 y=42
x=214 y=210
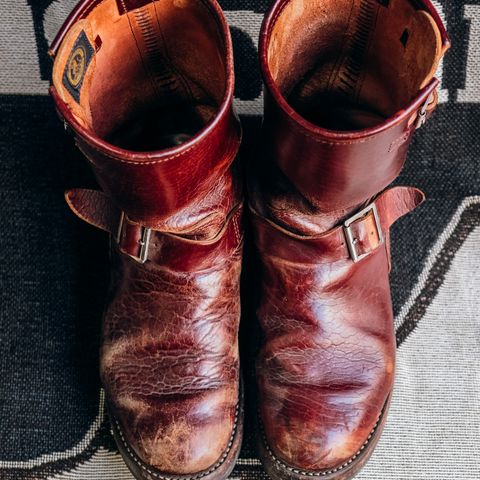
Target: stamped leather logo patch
x=77 y=65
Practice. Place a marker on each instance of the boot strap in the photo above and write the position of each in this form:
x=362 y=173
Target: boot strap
x=359 y=236
x=139 y=242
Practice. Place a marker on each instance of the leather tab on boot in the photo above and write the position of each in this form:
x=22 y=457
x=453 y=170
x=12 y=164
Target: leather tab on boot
x=97 y=209
x=94 y=207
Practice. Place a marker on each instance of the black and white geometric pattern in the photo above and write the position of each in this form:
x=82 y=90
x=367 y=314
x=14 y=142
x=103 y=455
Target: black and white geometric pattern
x=54 y=270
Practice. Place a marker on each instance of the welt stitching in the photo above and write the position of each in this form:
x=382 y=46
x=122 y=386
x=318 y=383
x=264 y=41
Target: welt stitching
x=158 y=475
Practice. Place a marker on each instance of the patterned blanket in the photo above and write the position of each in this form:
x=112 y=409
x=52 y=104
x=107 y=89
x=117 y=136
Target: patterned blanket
x=54 y=270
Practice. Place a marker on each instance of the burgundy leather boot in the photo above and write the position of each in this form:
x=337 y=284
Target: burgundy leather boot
x=347 y=84
x=146 y=89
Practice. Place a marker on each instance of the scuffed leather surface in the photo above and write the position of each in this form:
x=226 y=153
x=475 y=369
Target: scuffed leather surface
x=169 y=359
x=327 y=365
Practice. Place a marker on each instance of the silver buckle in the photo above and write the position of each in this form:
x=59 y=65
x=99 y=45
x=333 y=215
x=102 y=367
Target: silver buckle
x=352 y=241
x=144 y=241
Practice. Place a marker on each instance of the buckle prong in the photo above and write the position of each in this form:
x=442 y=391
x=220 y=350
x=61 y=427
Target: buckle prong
x=120 y=228
x=144 y=240
x=144 y=243
x=352 y=241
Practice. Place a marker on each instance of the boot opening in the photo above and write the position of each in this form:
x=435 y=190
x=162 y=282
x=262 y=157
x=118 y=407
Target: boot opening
x=143 y=75
x=351 y=64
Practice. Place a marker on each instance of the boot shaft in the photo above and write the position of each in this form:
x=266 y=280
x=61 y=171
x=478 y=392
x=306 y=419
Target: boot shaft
x=146 y=88
x=347 y=84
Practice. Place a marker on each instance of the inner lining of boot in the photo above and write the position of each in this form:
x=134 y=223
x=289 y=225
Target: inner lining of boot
x=143 y=75
x=351 y=64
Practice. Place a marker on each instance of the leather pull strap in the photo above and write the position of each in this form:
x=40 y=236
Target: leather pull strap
x=360 y=235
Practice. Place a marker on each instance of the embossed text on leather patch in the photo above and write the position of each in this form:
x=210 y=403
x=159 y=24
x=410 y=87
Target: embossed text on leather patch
x=77 y=65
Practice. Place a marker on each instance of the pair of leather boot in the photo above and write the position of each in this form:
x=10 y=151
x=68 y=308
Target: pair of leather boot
x=146 y=88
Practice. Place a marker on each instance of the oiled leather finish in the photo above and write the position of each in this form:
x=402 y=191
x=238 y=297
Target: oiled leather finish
x=156 y=188
x=326 y=368
x=169 y=357
x=320 y=177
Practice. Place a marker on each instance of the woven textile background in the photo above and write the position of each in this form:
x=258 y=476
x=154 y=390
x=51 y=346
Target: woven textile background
x=53 y=270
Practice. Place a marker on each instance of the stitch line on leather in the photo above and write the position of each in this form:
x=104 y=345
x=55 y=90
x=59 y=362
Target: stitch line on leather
x=176 y=75
x=350 y=73
x=400 y=140
x=372 y=27
x=235 y=226
x=158 y=475
x=162 y=78
x=300 y=129
x=338 y=62
x=134 y=38
x=154 y=162
x=325 y=473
